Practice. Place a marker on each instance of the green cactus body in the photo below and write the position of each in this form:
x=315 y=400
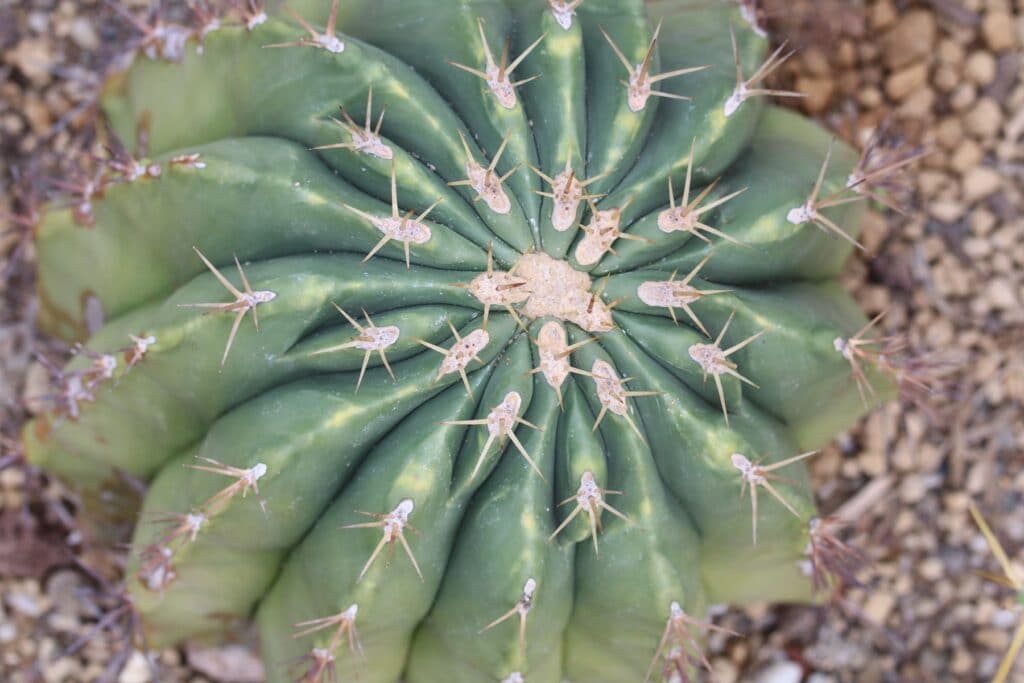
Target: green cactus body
x=543 y=295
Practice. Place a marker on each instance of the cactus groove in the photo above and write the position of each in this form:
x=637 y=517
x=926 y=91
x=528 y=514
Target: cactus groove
x=461 y=340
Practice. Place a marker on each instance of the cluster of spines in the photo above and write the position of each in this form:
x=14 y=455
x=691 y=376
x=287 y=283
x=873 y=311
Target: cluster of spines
x=364 y=139
x=640 y=84
x=73 y=388
x=320 y=661
x=160 y=39
x=498 y=74
x=156 y=561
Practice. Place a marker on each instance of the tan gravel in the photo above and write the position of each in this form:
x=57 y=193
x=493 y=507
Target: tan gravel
x=943 y=73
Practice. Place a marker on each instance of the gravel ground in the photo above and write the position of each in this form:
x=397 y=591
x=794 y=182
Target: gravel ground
x=942 y=74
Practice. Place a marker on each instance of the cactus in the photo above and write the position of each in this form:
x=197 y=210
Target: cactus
x=545 y=321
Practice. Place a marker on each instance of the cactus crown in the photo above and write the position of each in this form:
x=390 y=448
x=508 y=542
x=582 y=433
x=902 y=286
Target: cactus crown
x=544 y=321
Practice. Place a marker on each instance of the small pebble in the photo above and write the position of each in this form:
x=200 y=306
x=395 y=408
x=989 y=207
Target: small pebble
x=980 y=68
x=999 y=30
x=781 y=672
x=912 y=38
x=984 y=119
x=981 y=182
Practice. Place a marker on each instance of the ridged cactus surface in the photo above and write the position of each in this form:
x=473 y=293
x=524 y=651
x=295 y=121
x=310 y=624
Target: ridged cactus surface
x=546 y=322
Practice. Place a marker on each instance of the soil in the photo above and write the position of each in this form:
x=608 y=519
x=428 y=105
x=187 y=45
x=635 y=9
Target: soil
x=939 y=75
